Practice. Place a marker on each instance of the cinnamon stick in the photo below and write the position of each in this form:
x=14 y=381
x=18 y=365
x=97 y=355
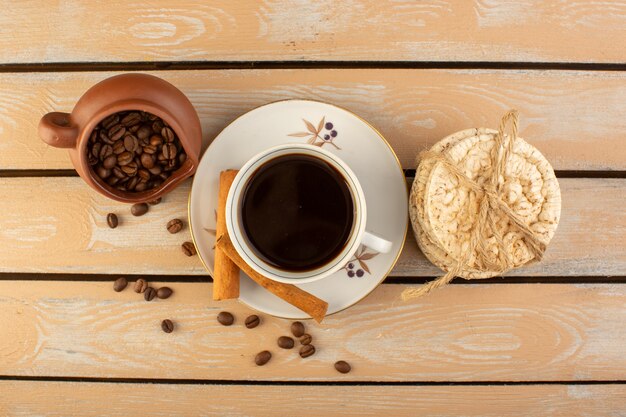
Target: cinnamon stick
x=225 y=272
x=301 y=299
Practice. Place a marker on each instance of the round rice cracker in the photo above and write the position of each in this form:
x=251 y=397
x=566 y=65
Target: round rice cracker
x=417 y=202
x=449 y=210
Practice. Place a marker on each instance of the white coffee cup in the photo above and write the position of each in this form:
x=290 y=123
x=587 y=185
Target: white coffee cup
x=358 y=236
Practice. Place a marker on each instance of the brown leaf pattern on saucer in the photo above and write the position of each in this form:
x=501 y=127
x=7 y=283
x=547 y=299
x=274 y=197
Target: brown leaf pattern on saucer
x=357 y=266
x=324 y=134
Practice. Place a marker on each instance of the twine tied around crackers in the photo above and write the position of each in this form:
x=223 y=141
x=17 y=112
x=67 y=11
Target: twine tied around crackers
x=491 y=202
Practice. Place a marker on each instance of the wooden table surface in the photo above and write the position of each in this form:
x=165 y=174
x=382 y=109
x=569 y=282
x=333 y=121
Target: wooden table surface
x=548 y=340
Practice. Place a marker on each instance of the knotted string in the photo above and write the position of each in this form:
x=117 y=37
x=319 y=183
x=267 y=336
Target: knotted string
x=491 y=203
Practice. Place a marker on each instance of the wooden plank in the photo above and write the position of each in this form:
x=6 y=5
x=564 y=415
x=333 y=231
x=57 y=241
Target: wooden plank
x=89 y=399
x=47 y=221
x=551 y=31
x=512 y=332
x=573 y=117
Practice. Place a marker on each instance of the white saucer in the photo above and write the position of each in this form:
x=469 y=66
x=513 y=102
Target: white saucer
x=358 y=144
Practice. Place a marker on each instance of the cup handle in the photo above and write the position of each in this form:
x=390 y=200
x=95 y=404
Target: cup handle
x=58 y=130
x=376 y=243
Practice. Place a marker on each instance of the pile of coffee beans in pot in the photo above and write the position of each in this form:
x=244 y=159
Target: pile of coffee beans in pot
x=134 y=151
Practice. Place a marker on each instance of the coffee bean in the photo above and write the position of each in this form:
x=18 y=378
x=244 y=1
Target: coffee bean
x=147 y=161
x=307 y=350
x=109 y=162
x=92 y=160
x=262 y=358
x=111 y=120
x=306 y=339
x=118 y=147
x=174 y=226
x=124 y=158
x=117 y=171
x=167 y=326
x=164 y=292
x=132 y=183
x=189 y=249
x=103 y=172
x=285 y=342
x=144 y=175
x=169 y=151
x=182 y=157
x=130 y=169
x=116 y=132
x=252 y=321
x=131 y=143
x=156 y=140
x=139 y=209
x=140 y=286
x=93 y=137
x=155 y=202
x=131 y=119
x=149 y=294
x=297 y=328
x=143 y=132
x=104 y=138
x=343 y=367
x=95 y=149
x=112 y=181
x=168 y=134
x=150 y=149
x=157 y=125
x=120 y=284
x=141 y=186
x=225 y=318
x=105 y=151
x=112 y=220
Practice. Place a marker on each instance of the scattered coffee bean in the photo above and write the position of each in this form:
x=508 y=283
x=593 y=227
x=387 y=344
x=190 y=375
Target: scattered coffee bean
x=140 y=286
x=149 y=294
x=139 y=209
x=343 y=367
x=285 y=342
x=155 y=202
x=252 y=321
x=262 y=358
x=225 y=318
x=307 y=350
x=297 y=328
x=174 y=226
x=167 y=326
x=188 y=248
x=120 y=284
x=164 y=292
x=126 y=142
x=306 y=339
x=112 y=220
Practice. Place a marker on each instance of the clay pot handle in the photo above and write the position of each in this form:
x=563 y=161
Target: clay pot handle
x=58 y=130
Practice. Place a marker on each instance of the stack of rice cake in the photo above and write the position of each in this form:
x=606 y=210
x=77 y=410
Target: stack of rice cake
x=443 y=211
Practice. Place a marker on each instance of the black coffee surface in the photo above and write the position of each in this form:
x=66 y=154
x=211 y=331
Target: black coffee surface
x=297 y=212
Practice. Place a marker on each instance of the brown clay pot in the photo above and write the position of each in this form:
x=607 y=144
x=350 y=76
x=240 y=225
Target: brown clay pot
x=119 y=93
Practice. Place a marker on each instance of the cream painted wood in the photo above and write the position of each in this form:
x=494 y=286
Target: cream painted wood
x=367 y=30
x=58 y=225
x=59 y=399
x=496 y=332
x=574 y=118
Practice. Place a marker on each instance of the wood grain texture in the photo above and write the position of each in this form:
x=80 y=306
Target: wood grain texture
x=513 y=332
x=434 y=30
x=574 y=118
x=58 y=225
x=56 y=399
